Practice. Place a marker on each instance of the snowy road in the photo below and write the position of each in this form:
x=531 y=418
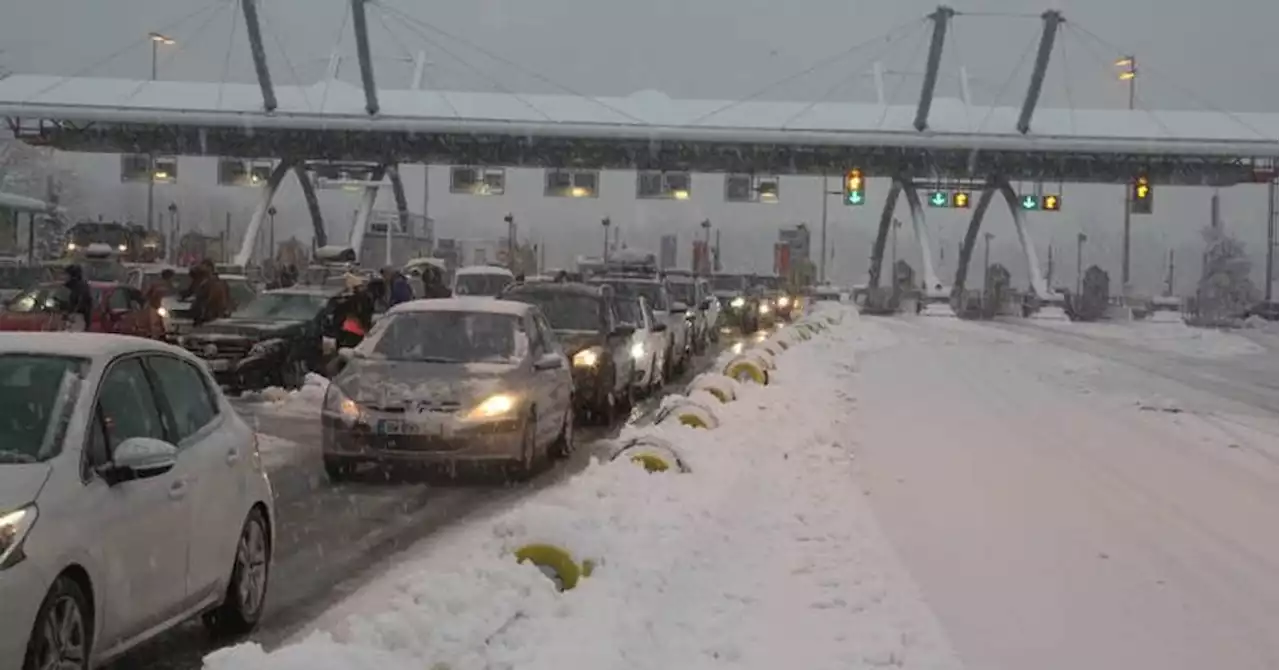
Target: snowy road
x=1071 y=501
x=333 y=538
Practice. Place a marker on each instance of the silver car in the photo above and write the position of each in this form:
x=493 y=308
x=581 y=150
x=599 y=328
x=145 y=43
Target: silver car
x=132 y=497
x=448 y=381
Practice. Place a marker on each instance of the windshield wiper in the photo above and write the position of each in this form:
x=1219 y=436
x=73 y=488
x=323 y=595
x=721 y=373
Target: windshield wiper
x=7 y=456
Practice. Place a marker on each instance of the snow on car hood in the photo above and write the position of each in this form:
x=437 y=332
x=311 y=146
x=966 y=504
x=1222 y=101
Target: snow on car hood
x=20 y=483
x=394 y=383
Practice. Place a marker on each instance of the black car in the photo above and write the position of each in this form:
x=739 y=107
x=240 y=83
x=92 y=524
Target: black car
x=594 y=338
x=739 y=306
x=274 y=340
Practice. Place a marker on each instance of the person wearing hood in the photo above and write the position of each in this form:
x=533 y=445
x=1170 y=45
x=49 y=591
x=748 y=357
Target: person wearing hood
x=398 y=289
x=79 y=306
x=433 y=284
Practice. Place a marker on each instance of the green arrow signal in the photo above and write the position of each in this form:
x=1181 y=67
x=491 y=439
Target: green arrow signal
x=939 y=199
x=855 y=198
x=1028 y=202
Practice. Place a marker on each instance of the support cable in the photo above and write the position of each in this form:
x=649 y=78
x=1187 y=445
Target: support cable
x=480 y=73
x=1066 y=80
x=381 y=16
x=1207 y=105
x=337 y=45
x=897 y=88
x=857 y=73
x=188 y=42
x=168 y=27
x=226 y=61
x=1031 y=43
x=887 y=36
x=510 y=63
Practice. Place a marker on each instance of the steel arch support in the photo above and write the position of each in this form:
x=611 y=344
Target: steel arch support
x=367 y=200
x=1038 y=285
x=971 y=238
x=932 y=285
x=313 y=205
x=882 y=235
x=247 y=244
x=402 y=203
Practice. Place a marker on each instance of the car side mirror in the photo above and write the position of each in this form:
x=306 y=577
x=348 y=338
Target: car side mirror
x=706 y=304
x=659 y=327
x=623 y=330
x=548 y=362
x=679 y=308
x=140 y=458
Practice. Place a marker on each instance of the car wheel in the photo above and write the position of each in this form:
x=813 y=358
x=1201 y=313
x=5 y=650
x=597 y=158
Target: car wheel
x=62 y=635
x=338 y=470
x=564 y=444
x=241 y=608
x=294 y=374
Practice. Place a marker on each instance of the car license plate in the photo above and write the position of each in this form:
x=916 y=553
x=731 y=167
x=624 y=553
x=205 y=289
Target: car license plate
x=220 y=365
x=423 y=427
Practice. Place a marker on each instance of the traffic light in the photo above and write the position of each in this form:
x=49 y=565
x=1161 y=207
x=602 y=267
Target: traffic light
x=960 y=199
x=854 y=188
x=1051 y=202
x=1140 y=196
x=938 y=199
x=1029 y=203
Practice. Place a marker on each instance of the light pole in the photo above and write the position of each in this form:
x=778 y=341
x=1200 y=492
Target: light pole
x=893 y=254
x=704 y=264
x=173 y=232
x=605 y=222
x=511 y=240
x=986 y=259
x=271 y=231
x=1128 y=73
x=156 y=40
x=822 y=263
x=1081 y=238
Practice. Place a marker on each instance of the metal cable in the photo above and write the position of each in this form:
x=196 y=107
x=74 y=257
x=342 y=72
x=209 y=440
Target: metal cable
x=337 y=44
x=1008 y=80
x=381 y=16
x=903 y=80
x=1137 y=99
x=226 y=60
x=275 y=39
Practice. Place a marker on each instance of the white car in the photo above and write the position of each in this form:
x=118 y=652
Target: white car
x=481 y=280
x=649 y=342
x=132 y=498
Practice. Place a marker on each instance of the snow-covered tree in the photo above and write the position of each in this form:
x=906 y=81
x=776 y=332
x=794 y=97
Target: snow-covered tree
x=1225 y=289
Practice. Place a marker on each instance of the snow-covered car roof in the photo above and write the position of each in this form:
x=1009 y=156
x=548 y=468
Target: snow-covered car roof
x=96 y=346
x=478 y=304
x=483 y=270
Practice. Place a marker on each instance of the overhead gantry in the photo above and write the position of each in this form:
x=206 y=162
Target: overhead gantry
x=299 y=164
x=904 y=184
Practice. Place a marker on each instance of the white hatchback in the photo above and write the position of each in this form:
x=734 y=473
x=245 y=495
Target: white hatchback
x=132 y=497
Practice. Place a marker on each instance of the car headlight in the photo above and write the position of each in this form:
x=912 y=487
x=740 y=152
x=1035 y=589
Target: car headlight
x=784 y=301
x=164 y=313
x=337 y=404
x=737 y=303
x=764 y=309
x=587 y=358
x=499 y=404
x=13 y=530
x=123 y=247
x=71 y=246
x=637 y=350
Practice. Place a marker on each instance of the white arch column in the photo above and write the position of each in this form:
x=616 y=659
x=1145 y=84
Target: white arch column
x=245 y=255
x=367 y=200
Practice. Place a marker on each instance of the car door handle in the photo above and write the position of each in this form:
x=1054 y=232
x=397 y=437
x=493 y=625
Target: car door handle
x=178 y=490
x=233 y=456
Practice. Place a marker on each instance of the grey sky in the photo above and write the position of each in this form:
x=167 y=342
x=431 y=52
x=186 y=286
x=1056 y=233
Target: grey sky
x=1223 y=52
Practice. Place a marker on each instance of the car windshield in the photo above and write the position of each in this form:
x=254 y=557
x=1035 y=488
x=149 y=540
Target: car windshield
x=20 y=276
x=180 y=281
x=628 y=309
x=282 y=307
x=651 y=291
x=104 y=270
x=481 y=284
x=565 y=310
x=36 y=396
x=448 y=337
x=241 y=291
x=685 y=292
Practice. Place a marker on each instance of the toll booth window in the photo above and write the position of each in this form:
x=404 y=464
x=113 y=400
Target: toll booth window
x=134 y=167
x=477 y=181
x=572 y=183
x=673 y=185
x=738 y=188
x=243 y=172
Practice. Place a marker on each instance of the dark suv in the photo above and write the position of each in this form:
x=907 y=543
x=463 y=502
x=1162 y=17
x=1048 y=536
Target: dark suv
x=594 y=338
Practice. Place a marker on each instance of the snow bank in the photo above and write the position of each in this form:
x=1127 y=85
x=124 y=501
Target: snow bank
x=304 y=402
x=764 y=555
x=1174 y=338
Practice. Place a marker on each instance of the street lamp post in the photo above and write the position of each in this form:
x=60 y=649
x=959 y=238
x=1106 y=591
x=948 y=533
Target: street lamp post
x=605 y=222
x=271 y=231
x=511 y=240
x=1129 y=74
x=822 y=263
x=705 y=262
x=156 y=40
x=173 y=233
x=1081 y=238
x=893 y=255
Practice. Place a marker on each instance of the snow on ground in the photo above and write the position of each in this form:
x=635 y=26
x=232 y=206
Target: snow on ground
x=764 y=556
x=278 y=452
x=1174 y=338
x=303 y=402
x=1063 y=510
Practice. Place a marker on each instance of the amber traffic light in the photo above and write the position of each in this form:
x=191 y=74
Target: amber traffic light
x=960 y=199
x=1051 y=202
x=1140 y=195
x=854 y=188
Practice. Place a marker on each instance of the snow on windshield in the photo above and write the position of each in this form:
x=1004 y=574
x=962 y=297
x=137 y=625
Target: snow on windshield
x=651 y=292
x=565 y=311
x=282 y=306
x=481 y=284
x=34 y=394
x=448 y=337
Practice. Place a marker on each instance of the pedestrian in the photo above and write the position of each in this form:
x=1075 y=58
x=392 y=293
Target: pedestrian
x=433 y=283
x=397 y=285
x=78 y=309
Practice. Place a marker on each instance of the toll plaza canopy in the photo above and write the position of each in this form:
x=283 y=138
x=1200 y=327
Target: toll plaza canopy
x=646 y=130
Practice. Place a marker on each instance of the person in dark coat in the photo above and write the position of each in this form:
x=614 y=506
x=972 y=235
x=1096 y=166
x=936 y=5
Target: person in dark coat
x=398 y=288
x=433 y=284
x=79 y=306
